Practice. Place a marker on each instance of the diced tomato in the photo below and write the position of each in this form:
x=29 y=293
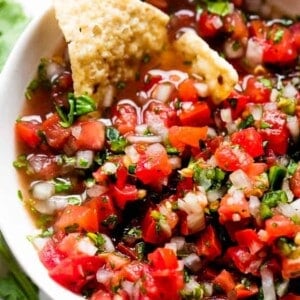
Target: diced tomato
x=77 y=218
x=208 y=243
x=250 y=140
x=237 y=103
x=28 y=132
x=244 y=261
x=102 y=295
x=280 y=226
x=199 y=114
x=295 y=30
x=234 y=24
x=150 y=81
x=187 y=91
x=55 y=134
x=233 y=208
x=114 y=261
x=225 y=281
x=50 y=256
x=125 y=194
x=125 y=117
x=290 y=267
x=157 y=115
x=290 y=296
x=255 y=169
x=166 y=273
x=257 y=90
x=153 y=166
x=231 y=158
x=257 y=28
x=107 y=214
x=280 y=48
x=180 y=136
x=249 y=238
x=89 y=135
x=209 y=24
x=75 y=272
x=243 y=292
x=295 y=183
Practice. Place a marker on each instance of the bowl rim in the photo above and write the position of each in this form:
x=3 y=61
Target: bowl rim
x=17 y=72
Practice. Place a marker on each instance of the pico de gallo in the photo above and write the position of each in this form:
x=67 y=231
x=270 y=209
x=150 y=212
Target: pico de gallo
x=164 y=194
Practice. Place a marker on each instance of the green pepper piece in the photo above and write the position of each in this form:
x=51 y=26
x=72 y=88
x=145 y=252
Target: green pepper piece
x=276 y=175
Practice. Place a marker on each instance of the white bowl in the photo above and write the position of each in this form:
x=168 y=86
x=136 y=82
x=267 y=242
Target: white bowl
x=39 y=40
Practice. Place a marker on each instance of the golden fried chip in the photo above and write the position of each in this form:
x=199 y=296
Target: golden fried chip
x=217 y=73
x=107 y=39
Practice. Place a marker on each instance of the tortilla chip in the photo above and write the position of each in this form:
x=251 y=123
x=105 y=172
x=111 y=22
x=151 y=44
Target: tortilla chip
x=217 y=73
x=107 y=39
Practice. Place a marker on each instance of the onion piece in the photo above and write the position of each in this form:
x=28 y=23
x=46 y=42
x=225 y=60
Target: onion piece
x=145 y=139
x=193 y=262
x=96 y=190
x=179 y=241
x=42 y=190
x=293 y=126
x=267 y=282
x=254 y=52
x=108 y=245
x=163 y=91
x=289 y=91
x=175 y=162
x=104 y=276
x=240 y=179
x=225 y=114
x=86 y=246
x=202 y=89
x=233 y=49
x=254 y=205
x=84 y=159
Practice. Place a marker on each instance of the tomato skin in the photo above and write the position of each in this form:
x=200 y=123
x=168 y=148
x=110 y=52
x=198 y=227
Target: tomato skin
x=290 y=267
x=257 y=91
x=237 y=103
x=235 y=25
x=74 y=272
x=55 y=134
x=257 y=28
x=198 y=115
x=280 y=52
x=231 y=206
x=250 y=140
x=163 y=258
x=231 y=158
x=187 y=91
x=50 y=256
x=28 y=132
x=250 y=239
x=207 y=24
x=225 y=280
x=280 y=226
x=290 y=296
x=84 y=218
x=125 y=194
x=125 y=118
x=91 y=135
x=208 y=243
x=295 y=183
x=295 y=30
x=153 y=165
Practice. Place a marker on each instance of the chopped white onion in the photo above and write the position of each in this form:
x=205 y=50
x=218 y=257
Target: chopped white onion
x=171 y=246
x=274 y=95
x=254 y=52
x=282 y=287
x=32 y=118
x=286 y=187
x=132 y=154
x=39 y=242
x=240 y=179
x=293 y=126
x=268 y=285
x=96 y=190
x=225 y=114
x=145 y=139
x=254 y=205
x=202 y=89
x=42 y=190
x=109 y=168
x=109 y=96
x=104 y=276
x=76 y=131
x=179 y=241
x=289 y=91
x=53 y=70
x=141 y=129
x=84 y=159
x=231 y=50
x=163 y=91
x=256 y=111
x=193 y=262
x=290 y=209
x=86 y=246
x=213 y=195
x=208 y=288
x=128 y=287
x=106 y=122
x=175 y=162
x=109 y=246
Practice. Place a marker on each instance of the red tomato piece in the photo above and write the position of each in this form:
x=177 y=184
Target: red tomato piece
x=78 y=218
x=91 y=135
x=127 y=193
x=290 y=296
x=55 y=134
x=295 y=183
x=28 y=132
x=235 y=25
x=295 y=30
x=257 y=28
x=198 y=115
x=208 y=243
x=233 y=208
x=153 y=165
x=50 y=256
x=231 y=158
x=280 y=48
x=163 y=258
x=250 y=140
x=102 y=295
x=187 y=91
x=225 y=281
x=125 y=117
x=249 y=238
x=237 y=103
x=75 y=272
x=209 y=24
x=257 y=90
x=243 y=292
x=244 y=261
x=280 y=226
x=181 y=136
x=290 y=267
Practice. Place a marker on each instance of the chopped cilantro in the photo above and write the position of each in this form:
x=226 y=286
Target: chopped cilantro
x=115 y=140
x=219 y=7
x=278 y=36
x=97 y=239
x=62 y=185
